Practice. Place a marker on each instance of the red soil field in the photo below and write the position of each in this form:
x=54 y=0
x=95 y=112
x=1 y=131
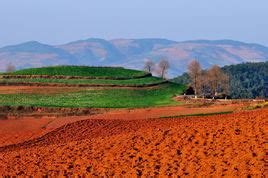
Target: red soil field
x=229 y=145
x=36 y=90
x=15 y=130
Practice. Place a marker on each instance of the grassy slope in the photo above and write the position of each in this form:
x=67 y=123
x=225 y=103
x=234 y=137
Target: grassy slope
x=99 y=98
x=140 y=81
x=81 y=71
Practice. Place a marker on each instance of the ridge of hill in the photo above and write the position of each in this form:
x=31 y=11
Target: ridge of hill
x=131 y=53
x=81 y=71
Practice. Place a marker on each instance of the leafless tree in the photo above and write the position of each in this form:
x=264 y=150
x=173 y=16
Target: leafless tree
x=163 y=67
x=218 y=81
x=194 y=71
x=149 y=65
x=10 y=68
x=202 y=84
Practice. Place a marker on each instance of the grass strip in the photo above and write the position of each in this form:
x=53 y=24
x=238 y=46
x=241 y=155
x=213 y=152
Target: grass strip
x=198 y=114
x=99 y=98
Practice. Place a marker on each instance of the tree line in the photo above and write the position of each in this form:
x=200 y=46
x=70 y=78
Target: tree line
x=211 y=82
x=208 y=83
x=247 y=80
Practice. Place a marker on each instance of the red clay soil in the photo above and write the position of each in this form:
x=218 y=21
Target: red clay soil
x=15 y=130
x=229 y=145
x=48 y=90
x=36 y=90
x=18 y=130
x=59 y=85
x=74 y=77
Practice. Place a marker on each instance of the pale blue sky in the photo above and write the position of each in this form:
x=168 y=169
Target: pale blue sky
x=60 y=21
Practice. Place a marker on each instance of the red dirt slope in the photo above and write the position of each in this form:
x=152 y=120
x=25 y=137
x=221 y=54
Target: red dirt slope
x=23 y=128
x=226 y=145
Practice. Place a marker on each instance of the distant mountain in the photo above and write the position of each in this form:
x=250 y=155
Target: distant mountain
x=93 y=51
x=34 y=54
x=132 y=53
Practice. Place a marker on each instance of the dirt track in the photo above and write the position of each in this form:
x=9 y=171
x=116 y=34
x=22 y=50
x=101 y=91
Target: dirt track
x=227 y=145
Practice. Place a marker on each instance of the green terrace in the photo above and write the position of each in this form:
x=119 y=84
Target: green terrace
x=87 y=97
x=82 y=71
x=128 y=82
x=99 y=98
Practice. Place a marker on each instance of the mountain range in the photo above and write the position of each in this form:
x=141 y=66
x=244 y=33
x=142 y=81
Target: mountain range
x=132 y=53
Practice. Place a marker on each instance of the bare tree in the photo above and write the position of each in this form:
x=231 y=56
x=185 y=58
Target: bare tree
x=194 y=71
x=149 y=65
x=202 y=84
x=10 y=68
x=218 y=81
x=163 y=67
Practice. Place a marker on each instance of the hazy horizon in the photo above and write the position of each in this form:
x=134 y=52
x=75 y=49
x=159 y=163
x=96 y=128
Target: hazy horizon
x=62 y=21
x=84 y=39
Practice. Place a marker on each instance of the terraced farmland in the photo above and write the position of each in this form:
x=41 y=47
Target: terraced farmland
x=115 y=88
x=90 y=82
x=71 y=124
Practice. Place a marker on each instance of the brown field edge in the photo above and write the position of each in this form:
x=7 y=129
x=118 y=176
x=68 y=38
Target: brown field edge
x=73 y=77
x=78 y=85
x=14 y=111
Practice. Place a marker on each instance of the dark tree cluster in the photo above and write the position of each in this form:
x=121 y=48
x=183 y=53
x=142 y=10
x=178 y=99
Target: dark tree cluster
x=248 y=80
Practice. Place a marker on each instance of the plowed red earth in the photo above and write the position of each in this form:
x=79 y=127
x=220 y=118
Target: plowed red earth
x=35 y=90
x=24 y=128
x=229 y=145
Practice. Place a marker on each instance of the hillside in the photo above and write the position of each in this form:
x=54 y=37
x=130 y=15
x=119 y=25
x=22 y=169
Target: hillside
x=248 y=80
x=131 y=53
x=86 y=87
x=34 y=54
x=82 y=71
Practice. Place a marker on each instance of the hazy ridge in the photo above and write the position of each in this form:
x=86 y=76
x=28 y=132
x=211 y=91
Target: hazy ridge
x=131 y=53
